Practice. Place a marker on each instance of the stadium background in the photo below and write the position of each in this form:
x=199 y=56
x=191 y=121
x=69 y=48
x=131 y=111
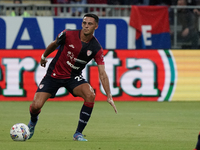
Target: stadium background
x=155 y=73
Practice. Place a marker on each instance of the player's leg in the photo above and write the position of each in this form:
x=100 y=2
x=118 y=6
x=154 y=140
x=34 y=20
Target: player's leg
x=198 y=143
x=39 y=99
x=87 y=93
x=47 y=88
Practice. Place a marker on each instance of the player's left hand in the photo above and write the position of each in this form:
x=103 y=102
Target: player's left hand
x=110 y=100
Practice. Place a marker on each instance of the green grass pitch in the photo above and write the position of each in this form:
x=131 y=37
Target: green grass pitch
x=137 y=126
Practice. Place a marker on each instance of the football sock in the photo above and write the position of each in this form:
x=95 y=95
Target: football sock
x=34 y=116
x=198 y=142
x=84 y=116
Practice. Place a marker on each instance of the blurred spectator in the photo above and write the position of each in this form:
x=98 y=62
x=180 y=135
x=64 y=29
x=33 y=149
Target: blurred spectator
x=147 y=2
x=115 y=2
x=60 y=1
x=80 y=10
x=97 y=1
x=188 y=21
x=1 y=8
x=191 y=2
x=17 y=11
x=133 y=2
x=160 y=2
x=197 y=11
x=63 y=1
x=60 y=13
x=98 y=11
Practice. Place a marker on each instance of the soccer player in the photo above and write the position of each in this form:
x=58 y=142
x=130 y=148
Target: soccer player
x=77 y=48
x=198 y=143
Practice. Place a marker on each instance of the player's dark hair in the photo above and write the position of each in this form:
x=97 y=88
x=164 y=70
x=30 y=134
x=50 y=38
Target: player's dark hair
x=96 y=18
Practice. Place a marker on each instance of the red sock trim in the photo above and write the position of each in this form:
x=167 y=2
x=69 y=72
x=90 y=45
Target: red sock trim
x=30 y=109
x=89 y=104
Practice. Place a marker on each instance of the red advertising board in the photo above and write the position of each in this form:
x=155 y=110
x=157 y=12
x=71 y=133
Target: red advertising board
x=135 y=75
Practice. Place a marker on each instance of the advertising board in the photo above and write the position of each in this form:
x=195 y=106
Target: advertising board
x=112 y=33
x=39 y=32
x=135 y=75
x=188 y=75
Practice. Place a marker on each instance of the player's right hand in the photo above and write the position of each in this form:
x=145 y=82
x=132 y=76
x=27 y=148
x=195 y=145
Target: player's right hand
x=43 y=62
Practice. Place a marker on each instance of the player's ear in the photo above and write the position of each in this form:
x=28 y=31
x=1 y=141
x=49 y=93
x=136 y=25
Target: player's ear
x=96 y=26
x=82 y=24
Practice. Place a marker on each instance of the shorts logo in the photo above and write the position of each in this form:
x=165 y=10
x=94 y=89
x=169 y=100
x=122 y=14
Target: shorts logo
x=41 y=86
x=89 y=52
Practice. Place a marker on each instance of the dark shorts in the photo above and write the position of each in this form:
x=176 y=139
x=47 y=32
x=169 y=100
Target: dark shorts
x=51 y=85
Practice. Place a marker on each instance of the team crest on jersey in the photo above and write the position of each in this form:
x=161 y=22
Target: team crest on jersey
x=41 y=86
x=89 y=52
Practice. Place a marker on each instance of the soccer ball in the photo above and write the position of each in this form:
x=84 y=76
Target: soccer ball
x=19 y=132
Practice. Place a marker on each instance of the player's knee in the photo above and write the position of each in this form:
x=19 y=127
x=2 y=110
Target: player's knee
x=35 y=107
x=90 y=97
x=38 y=101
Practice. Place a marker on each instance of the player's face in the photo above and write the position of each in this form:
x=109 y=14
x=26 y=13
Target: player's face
x=89 y=25
x=181 y=2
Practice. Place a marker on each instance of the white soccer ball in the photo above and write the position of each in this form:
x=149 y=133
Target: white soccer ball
x=19 y=132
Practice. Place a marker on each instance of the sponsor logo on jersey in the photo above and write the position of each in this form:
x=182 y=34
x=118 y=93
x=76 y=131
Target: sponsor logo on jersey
x=80 y=61
x=73 y=59
x=72 y=66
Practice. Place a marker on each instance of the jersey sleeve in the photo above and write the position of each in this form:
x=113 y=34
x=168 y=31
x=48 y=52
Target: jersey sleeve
x=61 y=37
x=99 y=57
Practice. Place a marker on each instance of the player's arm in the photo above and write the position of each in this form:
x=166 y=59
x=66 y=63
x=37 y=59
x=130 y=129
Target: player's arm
x=50 y=48
x=60 y=39
x=105 y=82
